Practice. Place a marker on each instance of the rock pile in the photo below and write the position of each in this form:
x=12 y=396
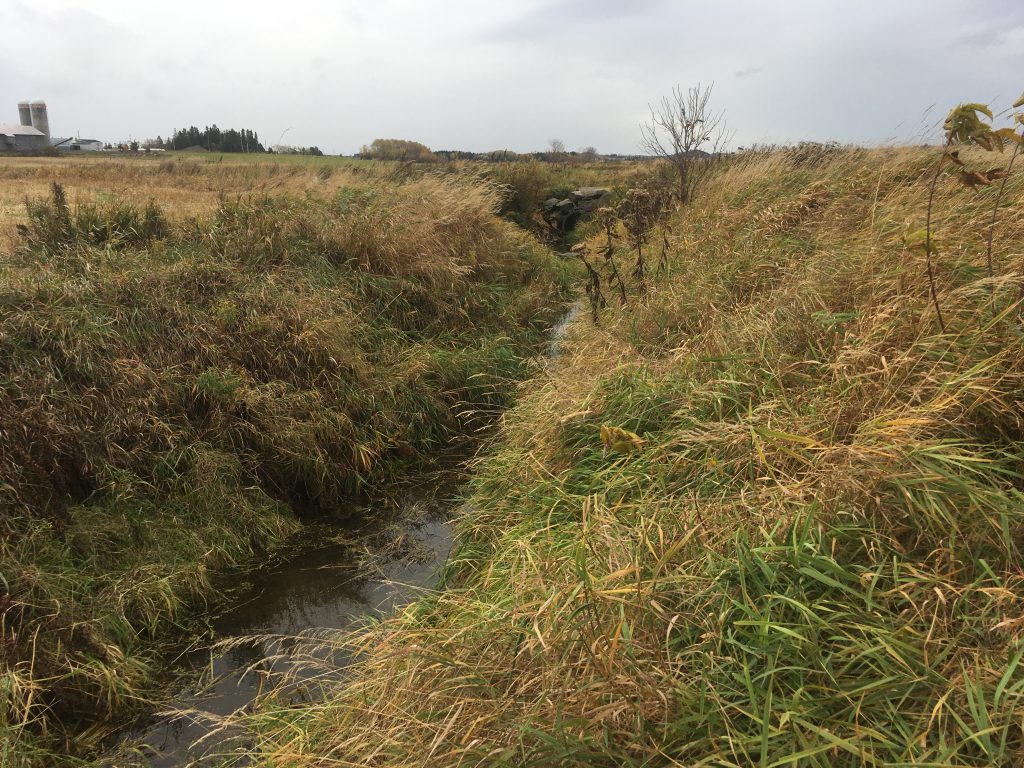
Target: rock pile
x=563 y=214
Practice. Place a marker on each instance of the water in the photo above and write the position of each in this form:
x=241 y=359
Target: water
x=333 y=579
x=271 y=628
x=554 y=349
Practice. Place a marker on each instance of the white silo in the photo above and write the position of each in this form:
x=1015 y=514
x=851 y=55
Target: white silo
x=39 y=119
x=24 y=113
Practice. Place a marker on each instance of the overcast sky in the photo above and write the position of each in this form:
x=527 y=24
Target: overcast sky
x=483 y=74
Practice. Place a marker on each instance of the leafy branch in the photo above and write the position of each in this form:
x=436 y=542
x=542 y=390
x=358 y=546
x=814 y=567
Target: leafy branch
x=1018 y=140
x=964 y=127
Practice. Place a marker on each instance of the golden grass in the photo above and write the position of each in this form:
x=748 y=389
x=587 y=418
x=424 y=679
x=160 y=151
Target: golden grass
x=813 y=560
x=178 y=392
x=185 y=185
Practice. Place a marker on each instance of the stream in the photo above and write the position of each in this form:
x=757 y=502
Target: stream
x=332 y=578
x=335 y=579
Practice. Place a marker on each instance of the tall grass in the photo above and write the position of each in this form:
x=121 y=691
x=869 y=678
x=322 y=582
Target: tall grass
x=176 y=395
x=814 y=559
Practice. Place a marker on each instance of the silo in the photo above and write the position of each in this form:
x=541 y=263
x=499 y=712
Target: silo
x=25 y=113
x=39 y=119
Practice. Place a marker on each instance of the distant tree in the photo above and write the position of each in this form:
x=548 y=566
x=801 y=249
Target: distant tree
x=589 y=154
x=231 y=141
x=684 y=130
x=133 y=146
x=287 y=149
x=216 y=140
x=397 y=149
x=556 y=150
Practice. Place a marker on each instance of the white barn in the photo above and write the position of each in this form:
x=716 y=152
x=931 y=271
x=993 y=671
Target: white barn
x=72 y=144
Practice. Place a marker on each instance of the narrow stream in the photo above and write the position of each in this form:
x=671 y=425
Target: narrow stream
x=334 y=578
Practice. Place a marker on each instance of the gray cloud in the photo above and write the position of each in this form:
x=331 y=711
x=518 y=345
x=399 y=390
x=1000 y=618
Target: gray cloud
x=479 y=74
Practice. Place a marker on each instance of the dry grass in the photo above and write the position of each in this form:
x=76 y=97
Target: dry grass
x=184 y=185
x=814 y=559
x=178 y=390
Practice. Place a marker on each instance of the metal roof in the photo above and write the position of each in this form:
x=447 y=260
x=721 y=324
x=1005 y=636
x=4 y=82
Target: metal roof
x=10 y=129
x=72 y=140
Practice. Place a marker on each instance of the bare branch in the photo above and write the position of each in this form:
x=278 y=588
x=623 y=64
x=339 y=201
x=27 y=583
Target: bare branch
x=684 y=130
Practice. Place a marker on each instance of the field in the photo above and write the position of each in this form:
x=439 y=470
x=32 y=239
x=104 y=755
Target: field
x=184 y=184
x=808 y=552
x=197 y=354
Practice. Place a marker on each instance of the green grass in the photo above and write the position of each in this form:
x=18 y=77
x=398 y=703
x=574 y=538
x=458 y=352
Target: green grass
x=813 y=560
x=176 y=397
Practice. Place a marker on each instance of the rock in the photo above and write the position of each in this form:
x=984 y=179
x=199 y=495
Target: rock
x=563 y=215
x=590 y=193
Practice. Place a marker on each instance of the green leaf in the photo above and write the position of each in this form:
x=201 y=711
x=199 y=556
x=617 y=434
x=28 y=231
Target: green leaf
x=979 y=108
x=963 y=124
x=919 y=239
x=985 y=139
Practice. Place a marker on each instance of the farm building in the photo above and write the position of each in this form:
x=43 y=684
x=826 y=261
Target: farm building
x=21 y=138
x=72 y=144
x=32 y=133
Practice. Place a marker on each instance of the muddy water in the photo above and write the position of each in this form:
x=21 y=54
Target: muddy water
x=333 y=583
x=332 y=579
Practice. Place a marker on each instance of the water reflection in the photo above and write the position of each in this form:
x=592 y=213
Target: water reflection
x=320 y=589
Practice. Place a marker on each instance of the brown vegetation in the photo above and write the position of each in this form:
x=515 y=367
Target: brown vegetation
x=811 y=555
x=178 y=390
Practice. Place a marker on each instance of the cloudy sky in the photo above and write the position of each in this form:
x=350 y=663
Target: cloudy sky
x=484 y=74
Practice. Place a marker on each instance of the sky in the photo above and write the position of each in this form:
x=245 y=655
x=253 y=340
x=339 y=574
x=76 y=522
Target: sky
x=482 y=75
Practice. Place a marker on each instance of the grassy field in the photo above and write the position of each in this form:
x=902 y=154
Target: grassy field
x=185 y=184
x=814 y=556
x=194 y=354
x=188 y=184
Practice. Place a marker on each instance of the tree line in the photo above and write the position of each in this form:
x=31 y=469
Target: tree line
x=214 y=139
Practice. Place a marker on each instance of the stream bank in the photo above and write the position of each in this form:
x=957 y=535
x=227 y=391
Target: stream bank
x=182 y=394
x=276 y=628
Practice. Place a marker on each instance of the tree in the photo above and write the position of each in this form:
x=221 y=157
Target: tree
x=556 y=150
x=684 y=130
x=397 y=149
